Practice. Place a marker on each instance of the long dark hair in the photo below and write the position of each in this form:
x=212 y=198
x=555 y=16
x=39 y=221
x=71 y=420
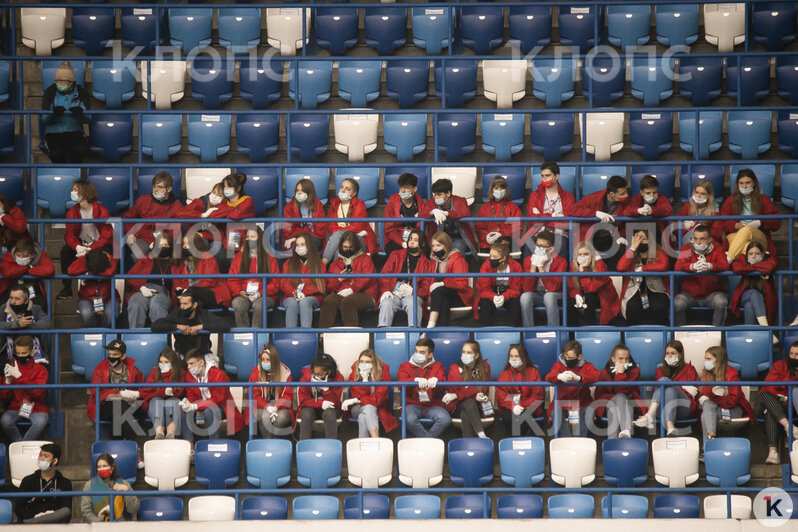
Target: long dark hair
x=480 y=368
x=174 y=360
x=670 y=371
x=313 y=262
x=111 y=462
x=523 y=353
x=264 y=259
x=756 y=195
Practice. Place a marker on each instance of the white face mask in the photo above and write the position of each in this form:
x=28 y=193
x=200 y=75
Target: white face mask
x=164 y=367
x=158 y=195
x=699 y=201
x=405 y=195
x=314 y=378
x=516 y=363
x=301 y=197
x=498 y=194
x=229 y=192
x=467 y=359
x=74 y=196
x=746 y=191
x=672 y=361
x=419 y=358
x=582 y=260
x=22 y=262
x=439 y=201
x=195 y=371
x=214 y=199
x=709 y=365
x=344 y=196
x=44 y=465
x=301 y=250
x=651 y=199
x=364 y=368
x=700 y=247
x=540 y=252
x=754 y=260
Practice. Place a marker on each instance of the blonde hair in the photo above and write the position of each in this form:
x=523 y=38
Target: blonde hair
x=377 y=365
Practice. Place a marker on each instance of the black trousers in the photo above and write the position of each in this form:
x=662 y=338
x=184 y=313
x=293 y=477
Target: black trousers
x=442 y=300
x=124 y=429
x=656 y=314
x=67 y=147
x=487 y=312
x=583 y=316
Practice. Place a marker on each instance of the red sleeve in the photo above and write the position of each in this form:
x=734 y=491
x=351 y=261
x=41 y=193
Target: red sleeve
x=207 y=265
x=259 y=400
x=587 y=206
x=142 y=267
x=333 y=283
x=78 y=267
x=629 y=208
x=286 y=286
x=218 y=393
x=483 y=228
x=515 y=282
x=236 y=285
x=589 y=373
x=37 y=375
x=10 y=269
x=106 y=230
x=460 y=208
x=15 y=220
x=767 y=209
x=594 y=284
x=485 y=284
x=457 y=265
x=362 y=264
x=245 y=209
x=662 y=207
x=685 y=259
x=43 y=268
x=462 y=392
x=72 y=230
x=392 y=231
x=273 y=287
x=390 y=266
x=531 y=394
x=728 y=210
x=726 y=401
x=556 y=369
x=718 y=259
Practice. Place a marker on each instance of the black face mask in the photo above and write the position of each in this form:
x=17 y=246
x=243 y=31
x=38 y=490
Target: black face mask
x=19 y=309
x=440 y=253
x=185 y=314
x=792 y=364
x=186 y=254
x=114 y=361
x=494 y=263
x=165 y=253
x=23 y=360
x=642 y=248
x=347 y=253
x=572 y=362
x=413 y=251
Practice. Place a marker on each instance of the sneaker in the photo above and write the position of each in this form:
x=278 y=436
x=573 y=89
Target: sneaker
x=159 y=435
x=773 y=457
x=65 y=293
x=191 y=456
x=644 y=422
x=794 y=432
x=624 y=434
x=701 y=457
x=673 y=433
x=170 y=435
x=140 y=461
x=794 y=322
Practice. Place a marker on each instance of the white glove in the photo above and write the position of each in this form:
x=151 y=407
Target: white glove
x=535 y=210
x=346 y=292
x=129 y=395
x=688 y=224
x=493 y=237
x=365 y=375
x=187 y=406
x=168 y=392
x=702 y=266
x=692 y=390
x=384 y=296
x=146 y=292
x=604 y=217
x=518 y=410
x=299 y=295
x=326 y=405
x=288 y=243
x=580 y=301
x=645 y=210
x=564 y=376
x=434 y=286
x=439 y=215
x=253 y=296
x=12 y=371
x=208 y=212
x=498 y=301
x=131 y=239
x=481 y=397
x=404 y=245
x=422 y=382
x=432 y=382
x=754 y=224
x=703 y=399
x=622 y=242
x=448 y=398
x=349 y=402
x=573 y=376
x=619 y=368
x=405 y=290
x=362 y=233
x=720 y=391
x=82 y=250
x=271 y=409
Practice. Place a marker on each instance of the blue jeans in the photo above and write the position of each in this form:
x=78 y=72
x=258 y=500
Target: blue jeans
x=440 y=420
x=566 y=430
x=91 y=318
x=300 y=311
x=710 y=414
x=753 y=303
x=550 y=300
x=389 y=307
x=38 y=423
x=367 y=419
x=717 y=301
x=140 y=307
x=676 y=404
x=213 y=422
x=164 y=411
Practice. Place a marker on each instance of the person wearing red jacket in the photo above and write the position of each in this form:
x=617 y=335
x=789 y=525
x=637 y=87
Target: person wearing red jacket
x=498 y=206
x=397 y=292
x=618 y=401
x=349 y=295
x=24 y=404
x=26 y=258
x=204 y=206
x=771 y=402
x=701 y=203
x=747 y=200
x=237 y=206
x=499 y=292
x=249 y=293
x=301 y=296
x=519 y=404
x=118 y=368
x=320 y=401
x=274 y=406
x=13 y=224
x=469 y=403
x=405 y=204
x=83 y=237
x=701 y=255
x=163 y=404
x=196 y=260
x=371 y=405
x=304 y=204
x=573 y=400
x=348 y=205
x=680 y=402
x=95 y=295
x=586 y=294
x=448 y=292
x=151 y=297
x=550 y=200
x=755 y=294
x=446 y=209
x=546 y=291
x=720 y=401
x=424 y=400
x=160 y=204
x=645 y=300
x=214 y=403
x=648 y=203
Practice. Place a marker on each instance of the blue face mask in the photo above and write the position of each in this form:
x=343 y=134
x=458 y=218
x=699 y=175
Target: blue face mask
x=467 y=359
x=419 y=358
x=516 y=363
x=709 y=365
x=267 y=366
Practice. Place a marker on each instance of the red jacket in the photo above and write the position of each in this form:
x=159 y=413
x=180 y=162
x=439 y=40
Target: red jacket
x=287 y=286
x=498 y=209
x=660 y=209
x=779 y=372
x=409 y=372
x=91 y=288
x=605 y=393
x=393 y=231
x=332 y=394
x=662 y=264
x=700 y=286
x=220 y=396
x=379 y=396
x=763 y=269
x=734 y=397
x=147 y=207
x=537 y=200
x=529 y=394
x=147 y=394
x=456 y=264
x=687 y=374
x=486 y=286
x=40 y=266
x=361 y=264
x=244 y=208
x=98 y=211
x=552 y=284
x=573 y=396
x=143 y=267
x=206 y=264
x=608 y=296
x=767 y=227
x=459 y=209
x=715 y=228
x=464 y=392
x=14 y=227
x=102 y=375
x=195 y=208
x=284 y=396
x=587 y=207
x=357 y=209
x=394 y=265
x=238 y=285
x=32 y=373
x=293 y=230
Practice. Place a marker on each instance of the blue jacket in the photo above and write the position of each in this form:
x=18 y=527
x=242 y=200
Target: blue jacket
x=77 y=97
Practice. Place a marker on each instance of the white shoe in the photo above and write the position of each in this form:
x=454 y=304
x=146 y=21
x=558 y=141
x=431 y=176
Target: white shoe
x=773 y=457
x=644 y=422
x=794 y=322
x=794 y=433
x=775 y=340
x=624 y=434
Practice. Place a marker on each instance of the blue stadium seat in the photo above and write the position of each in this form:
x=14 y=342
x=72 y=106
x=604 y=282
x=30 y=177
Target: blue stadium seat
x=359 y=81
x=571 y=506
x=12 y=180
x=651 y=134
x=144 y=179
x=482 y=27
x=646 y=348
x=502 y=135
x=448 y=346
x=652 y=80
x=577 y=25
x=161 y=136
x=318 y=462
x=209 y=135
x=138 y=29
x=519 y=506
x=264 y=507
x=405 y=135
x=494 y=345
x=257 y=136
x=677 y=24
x=315 y=82
x=596 y=346
x=765 y=175
x=260 y=82
x=470 y=461
x=263 y=186
x=5 y=80
x=268 y=462
x=552 y=134
x=624 y=507
x=385 y=28
x=727 y=461
x=714 y=173
x=212 y=81
x=113 y=82
x=368 y=180
x=752 y=349
x=52 y=188
x=144 y=348
x=93 y=28
x=320 y=178
x=516 y=180
x=6 y=134
x=6 y=512
x=432 y=28
x=603 y=79
x=522 y=461
x=417 y=507
x=391 y=176
x=111 y=135
x=789 y=185
x=393 y=348
x=375 y=506
x=628 y=26
x=217 y=462
x=470 y=506
x=749 y=132
x=124 y=453
x=336 y=29
x=114 y=186
x=50 y=66
x=315 y=507
x=710 y=124
x=461 y=81
x=625 y=461
x=787 y=77
x=553 y=80
x=310 y=136
x=787 y=128
x=677 y=506
x=542 y=346
x=595 y=178
x=407 y=82
x=239 y=28
x=700 y=78
x=190 y=28
x=241 y=350
x=160 y=509
x=457 y=135
x=530 y=26
x=755 y=80
x=87 y=351
x=773 y=24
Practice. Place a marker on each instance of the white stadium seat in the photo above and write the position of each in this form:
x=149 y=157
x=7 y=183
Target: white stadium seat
x=463 y=178
x=573 y=461
x=345 y=348
x=369 y=461
x=166 y=463
x=715 y=507
x=696 y=344
x=200 y=181
x=212 y=508
x=284 y=28
x=724 y=25
x=23 y=458
x=675 y=461
x=504 y=81
x=356 y=134
x=43 y=28
x=420 y=461
x=603 y=134
x=168 y=82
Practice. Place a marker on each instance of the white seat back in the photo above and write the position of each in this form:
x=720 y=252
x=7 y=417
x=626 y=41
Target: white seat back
x=284 y=28
x=504 y=81
x=200 y=181
x=715 y=507
x=168 y=82
x=43 y=28
x=573 y=461
x=675 y=461
x=724 y=25
x=345 y=348
x=212 y=508
x=166 y=463
x=696 y=344
x=463 y=178
x=420 y=461
x=23 y=459
x=794 y=462
x=603 y=134
x=369 y=461
x=356 y=135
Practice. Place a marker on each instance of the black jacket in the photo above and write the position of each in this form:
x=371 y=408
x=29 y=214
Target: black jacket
x=183 y=342
x=26 y=508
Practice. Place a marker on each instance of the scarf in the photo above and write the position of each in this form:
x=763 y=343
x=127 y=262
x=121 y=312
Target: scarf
x=99 y=502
